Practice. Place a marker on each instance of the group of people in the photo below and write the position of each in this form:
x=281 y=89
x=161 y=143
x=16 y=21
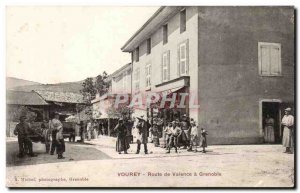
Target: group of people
x=287 y=123
x=185 y=134
x=23 y=131
x=52 y=136
x=177 y=134
x=123 y=129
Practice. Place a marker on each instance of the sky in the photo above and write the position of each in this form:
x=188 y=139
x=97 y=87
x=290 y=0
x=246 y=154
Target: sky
x=52 y=44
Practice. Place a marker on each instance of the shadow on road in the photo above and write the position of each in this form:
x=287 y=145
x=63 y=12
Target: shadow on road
x=74 y=152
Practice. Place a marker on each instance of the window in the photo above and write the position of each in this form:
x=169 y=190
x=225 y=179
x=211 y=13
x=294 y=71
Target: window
x=183 y=58
x=166 y=66
x=149 y=46
x=137 y=54
x=269 y=59
x=137 y=79
x=148 y=76
x=182 y=21
x=165 y=34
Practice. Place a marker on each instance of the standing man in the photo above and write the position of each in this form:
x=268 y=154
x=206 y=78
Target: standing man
x=142 y=127
x=194 y=136
x=186 y=128
x=60 y=143
x=175 y=131
x=81 y=131
x=89 y=129
x=288 y=130
x=168 y=133
x=22 y=130
x=54 y=125
x=46 y=135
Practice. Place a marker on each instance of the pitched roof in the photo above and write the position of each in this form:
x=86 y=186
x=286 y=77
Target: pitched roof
x=63 y=97
x=159 y=18
x=121 y=70
x=24 y=98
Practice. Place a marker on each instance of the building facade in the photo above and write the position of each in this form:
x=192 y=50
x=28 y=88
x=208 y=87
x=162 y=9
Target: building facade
x=120 y=84
x=238 y=62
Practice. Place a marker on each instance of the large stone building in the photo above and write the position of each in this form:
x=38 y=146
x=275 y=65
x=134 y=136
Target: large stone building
x=238 y=61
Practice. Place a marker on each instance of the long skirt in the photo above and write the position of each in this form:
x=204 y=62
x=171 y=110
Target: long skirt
x=286 y=139
x=203 y=141
x=122 y=144
x=269 y=134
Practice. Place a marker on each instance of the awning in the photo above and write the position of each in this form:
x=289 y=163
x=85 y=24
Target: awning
x=173 y=90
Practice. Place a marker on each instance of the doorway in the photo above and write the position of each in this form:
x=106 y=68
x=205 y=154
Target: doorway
x=273 y=110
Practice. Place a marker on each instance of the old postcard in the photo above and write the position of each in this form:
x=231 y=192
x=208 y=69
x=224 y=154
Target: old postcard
x=170 y=96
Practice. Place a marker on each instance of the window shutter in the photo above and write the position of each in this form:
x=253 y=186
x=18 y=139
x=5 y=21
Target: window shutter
x=178 y=60
x=187 y=57
x=265 y=60
x=169 y=71
x=274 y=60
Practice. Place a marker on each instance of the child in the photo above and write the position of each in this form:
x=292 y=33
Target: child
x=203 y=141
x=168 y=134
x=60 y=143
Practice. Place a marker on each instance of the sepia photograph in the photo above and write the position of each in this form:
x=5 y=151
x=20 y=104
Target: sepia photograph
x=150 y=96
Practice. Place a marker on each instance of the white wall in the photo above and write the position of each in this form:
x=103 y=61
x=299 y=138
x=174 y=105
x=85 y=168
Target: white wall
x=174 y=38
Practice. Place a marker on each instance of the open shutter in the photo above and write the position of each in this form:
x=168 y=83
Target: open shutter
x=168 y=58
x=187 y=57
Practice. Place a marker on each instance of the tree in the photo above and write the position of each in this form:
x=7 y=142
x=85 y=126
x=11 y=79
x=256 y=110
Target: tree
x=120 y=112
x=88 y=90
x=14 y=114
x=101 y=85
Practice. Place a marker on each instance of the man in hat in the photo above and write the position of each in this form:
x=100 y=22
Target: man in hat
x=22 y=130
x=142 y=127
x=288 y=130
x=55 y=124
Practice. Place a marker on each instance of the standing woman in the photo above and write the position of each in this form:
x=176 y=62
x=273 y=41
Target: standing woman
x=122 y=143
x=288 y=130
x=269 y=130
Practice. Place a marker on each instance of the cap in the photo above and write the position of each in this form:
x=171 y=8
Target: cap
x=288 y=109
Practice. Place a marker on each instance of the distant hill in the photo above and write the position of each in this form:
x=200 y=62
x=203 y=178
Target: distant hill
x=60 y=87
x=12 y=82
